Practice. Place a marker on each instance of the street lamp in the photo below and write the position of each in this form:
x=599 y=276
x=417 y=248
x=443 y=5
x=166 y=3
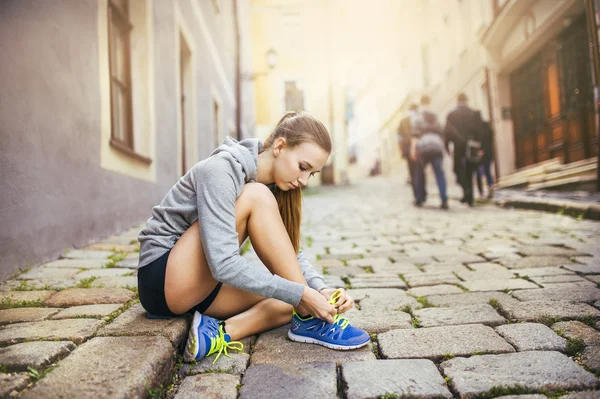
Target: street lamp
x=271 y=56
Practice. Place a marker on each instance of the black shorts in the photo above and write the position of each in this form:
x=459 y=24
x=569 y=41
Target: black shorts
x=151 y=287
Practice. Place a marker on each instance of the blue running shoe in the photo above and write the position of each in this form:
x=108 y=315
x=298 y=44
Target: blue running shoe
x=338 y=335
x=206 y=337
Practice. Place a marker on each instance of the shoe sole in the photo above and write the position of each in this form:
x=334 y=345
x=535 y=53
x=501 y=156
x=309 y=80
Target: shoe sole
x=308 y=340
x=192 y=335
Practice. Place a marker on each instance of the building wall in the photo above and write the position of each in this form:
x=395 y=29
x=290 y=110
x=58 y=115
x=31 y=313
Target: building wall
x=59 y=190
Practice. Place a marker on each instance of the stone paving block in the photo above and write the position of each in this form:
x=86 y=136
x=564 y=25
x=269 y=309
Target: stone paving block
x=434 y=289
x=594 y=278
x=557 y=292
x=436 y=342
x=590 y=357
x=375 y=322
x=584 y=269
x=26 y=296
x=434 y=268
x=334 y=282
x=115 y=282
x=48 y=273
x=428 y=279
x=128 y=263
x=236 y=364
x=498 y=285
x=542 y=271
x=532 y=337
x=530 y=396
x=133 y=322
x=540 y=310
x=83 y=254
x=218 y=386
x=587 y=260
x=582 y=395
x=113 y=247
x=486 y=271
x=48 y=283
x=531 y=370
x=274 y=347
x=382 y=300
x=470 y=314
x=78 y=263
x=536 y=261
x=124 y=367
x=310 y=380
x=543 y=250
x=377 y=281
x=329 y=263
x=89 y=311
x=18 y=315
x=405 y=378
x=462 y=258
x=76 y=330
x=89 y=296
x=343 y=271
x=563 y=278
x=471 y=298
x=36 y=354
x=111 y=272
x=577 y=329
x=12 y=382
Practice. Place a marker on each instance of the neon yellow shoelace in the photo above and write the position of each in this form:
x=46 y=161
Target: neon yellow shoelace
x=338 y=319
x=218 y=344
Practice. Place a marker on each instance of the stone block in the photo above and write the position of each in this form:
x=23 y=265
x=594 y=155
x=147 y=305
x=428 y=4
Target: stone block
x=435 y=289
x=25 y=296
x=89 y=296
x=235 y=364
x=78 y=263
x=274 y=347
x=309 y=380
x=562 y=278
x=544 y=250
x=115 y=282
x=134 y=322
x=48 y=273
x=89 y=311
x=19 y=315
x=377 y=281
x=577 y=329
x=561 y=292
x=219 y=386
x=404 y=378
x=13 y=382
x=469 y=314
x=111 y=272
x=532 y=337
x=530 y=370
x=498 y=285
x=378 y=321
x=471 y=298
x=76 y=330
x=536 y=261
x=542 y=271
x=436 y=342
x=83 y=254
x=540 y=310
x=124 y=367
x=584 y=269
x=37 y=354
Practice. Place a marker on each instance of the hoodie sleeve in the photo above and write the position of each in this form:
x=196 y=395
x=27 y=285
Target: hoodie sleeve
x=313 y=279
x=216 y=185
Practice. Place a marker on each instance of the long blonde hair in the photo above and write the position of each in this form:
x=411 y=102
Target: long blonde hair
x=296 y=128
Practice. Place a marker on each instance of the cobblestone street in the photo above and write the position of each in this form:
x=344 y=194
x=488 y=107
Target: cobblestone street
x=470 y=302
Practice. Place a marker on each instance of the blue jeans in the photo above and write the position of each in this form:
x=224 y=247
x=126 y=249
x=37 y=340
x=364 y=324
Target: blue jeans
x=419 y=176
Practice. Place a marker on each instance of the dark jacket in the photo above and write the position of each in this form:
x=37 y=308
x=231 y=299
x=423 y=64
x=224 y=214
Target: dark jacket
x=462 y=124
x=487 y=140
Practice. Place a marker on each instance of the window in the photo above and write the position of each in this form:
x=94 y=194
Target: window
x=119 y=28
x=294 y=96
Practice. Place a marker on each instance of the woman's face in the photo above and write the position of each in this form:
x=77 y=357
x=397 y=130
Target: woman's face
x=293 y=166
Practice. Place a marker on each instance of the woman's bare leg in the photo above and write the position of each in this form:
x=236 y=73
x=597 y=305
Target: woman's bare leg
x=188 y=279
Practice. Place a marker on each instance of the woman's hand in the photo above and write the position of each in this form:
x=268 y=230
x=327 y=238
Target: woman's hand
x=317 y=305
x=343 y=304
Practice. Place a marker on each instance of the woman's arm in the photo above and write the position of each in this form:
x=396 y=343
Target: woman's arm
x=312 y=277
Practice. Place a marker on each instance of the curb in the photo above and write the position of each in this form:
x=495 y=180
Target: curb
x=584 y=210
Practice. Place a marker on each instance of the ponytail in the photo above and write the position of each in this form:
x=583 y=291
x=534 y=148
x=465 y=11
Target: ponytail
x=296 y=128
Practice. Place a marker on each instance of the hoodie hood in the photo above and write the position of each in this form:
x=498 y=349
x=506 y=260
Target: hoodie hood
x=245 y=152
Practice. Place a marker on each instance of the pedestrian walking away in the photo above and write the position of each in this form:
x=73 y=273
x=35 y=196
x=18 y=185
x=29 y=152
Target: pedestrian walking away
x=405 y=136
x=487 y=145
x=427 y=146
x=463 y=128
x=189 y=254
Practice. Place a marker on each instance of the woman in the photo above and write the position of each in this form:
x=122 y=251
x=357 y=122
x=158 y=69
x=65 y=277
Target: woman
x=189 y=255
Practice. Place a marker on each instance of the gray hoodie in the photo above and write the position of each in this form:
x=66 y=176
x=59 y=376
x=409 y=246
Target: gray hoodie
x=207 y=193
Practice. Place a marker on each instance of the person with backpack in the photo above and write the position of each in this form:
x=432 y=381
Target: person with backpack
x=463 y=129
x=404 y=138
x=487 y=144
x=427 y=146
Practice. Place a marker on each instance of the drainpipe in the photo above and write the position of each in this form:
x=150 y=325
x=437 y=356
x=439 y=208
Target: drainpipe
x=590 y=10
x=488 y=85
x=238 y=74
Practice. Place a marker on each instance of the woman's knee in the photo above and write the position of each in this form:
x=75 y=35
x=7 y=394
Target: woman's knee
x=257 y=194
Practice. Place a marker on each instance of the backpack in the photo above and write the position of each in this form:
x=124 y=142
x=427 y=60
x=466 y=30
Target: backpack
x=430 y=145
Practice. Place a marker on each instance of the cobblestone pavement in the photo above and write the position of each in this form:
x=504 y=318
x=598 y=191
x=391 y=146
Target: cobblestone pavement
x=482 y=302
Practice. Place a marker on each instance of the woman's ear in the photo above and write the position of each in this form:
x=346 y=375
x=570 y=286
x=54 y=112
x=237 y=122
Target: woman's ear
x=279 y=144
